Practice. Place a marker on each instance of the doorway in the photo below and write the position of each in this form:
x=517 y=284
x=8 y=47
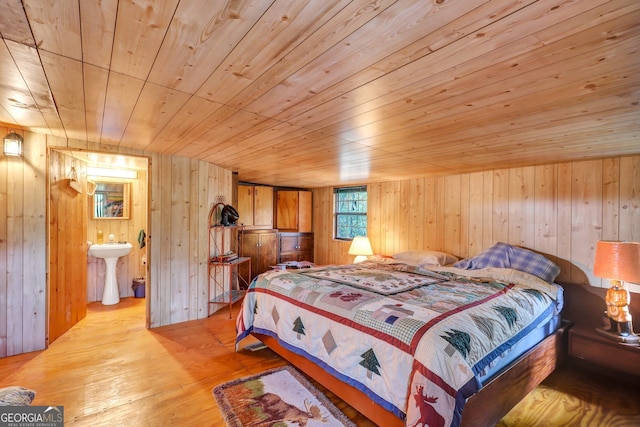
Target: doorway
x=76 y=278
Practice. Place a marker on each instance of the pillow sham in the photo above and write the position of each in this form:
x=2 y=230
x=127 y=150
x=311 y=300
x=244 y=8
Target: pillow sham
x=503 y=255
x=425 y=257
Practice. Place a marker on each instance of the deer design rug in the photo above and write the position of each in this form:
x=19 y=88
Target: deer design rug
x=277 y=397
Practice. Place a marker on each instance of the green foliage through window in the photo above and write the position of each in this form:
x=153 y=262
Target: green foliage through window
x=350 y=212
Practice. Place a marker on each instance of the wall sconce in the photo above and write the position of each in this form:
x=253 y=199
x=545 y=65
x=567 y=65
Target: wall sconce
x=12 y=144
x=618 y=261
x=361 y=247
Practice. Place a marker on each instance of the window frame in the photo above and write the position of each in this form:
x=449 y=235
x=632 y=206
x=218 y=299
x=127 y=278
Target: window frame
x=337 y=213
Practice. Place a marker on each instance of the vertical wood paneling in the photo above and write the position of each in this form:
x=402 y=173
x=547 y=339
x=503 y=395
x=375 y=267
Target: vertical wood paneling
x=417 y=224
x=15 y=272
x=155 y=246
x=35 y=243
x=629 y=224
x=179 y=226
x=200 y=255
x=501 y=206
x=439 y=216
x=403 y=214
x=560 y=210
x=610 y=198
x=452 y=214
x=546 y=207
x=4 y=252
x=166 y=243
x=388 y=205
x=564 y=217
x=430 y=207
x=487 y=213
x=476 y=213
x=194 y=236
x=586 y=227
x=521 y=207
x=374 y=194
x=465 y=185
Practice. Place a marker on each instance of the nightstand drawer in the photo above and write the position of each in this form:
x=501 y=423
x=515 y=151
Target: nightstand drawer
x=590 y=346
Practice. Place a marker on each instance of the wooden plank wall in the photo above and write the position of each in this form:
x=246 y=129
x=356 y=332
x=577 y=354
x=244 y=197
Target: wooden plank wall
x=560 y=210
x=181 y=193
x=23 y=226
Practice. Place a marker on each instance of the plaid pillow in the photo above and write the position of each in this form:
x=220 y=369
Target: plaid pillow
x=503 y=255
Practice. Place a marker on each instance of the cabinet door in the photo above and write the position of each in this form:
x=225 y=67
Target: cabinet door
x=245 y=204
x=251 y=248
x=288 y=243
x=263 y=206
x=296 y=247
x=305 y=243
x=262 y=247
x=305 y=247
x=268 y=252
x=287 y=210
x=304 y=211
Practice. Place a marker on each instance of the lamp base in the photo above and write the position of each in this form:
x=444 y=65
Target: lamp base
x=614 y=335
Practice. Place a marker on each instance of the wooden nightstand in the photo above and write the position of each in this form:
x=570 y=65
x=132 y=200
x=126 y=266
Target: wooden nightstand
x=586 y=344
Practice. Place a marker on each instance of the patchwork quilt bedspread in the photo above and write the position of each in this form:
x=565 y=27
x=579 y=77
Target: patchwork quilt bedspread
x=412 y=339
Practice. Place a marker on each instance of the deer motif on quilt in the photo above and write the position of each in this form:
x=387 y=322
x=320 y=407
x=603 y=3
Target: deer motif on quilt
x=428 y=414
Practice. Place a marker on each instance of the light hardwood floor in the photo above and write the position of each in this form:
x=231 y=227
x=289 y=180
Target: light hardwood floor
x=109 y=370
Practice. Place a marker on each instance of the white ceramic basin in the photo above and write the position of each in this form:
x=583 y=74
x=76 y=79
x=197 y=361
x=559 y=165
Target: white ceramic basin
x=110 y=252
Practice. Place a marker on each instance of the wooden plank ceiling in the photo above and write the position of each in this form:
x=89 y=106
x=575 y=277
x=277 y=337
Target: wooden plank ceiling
x=327 y=92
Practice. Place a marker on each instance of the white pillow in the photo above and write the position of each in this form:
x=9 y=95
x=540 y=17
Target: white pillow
x=425 y=257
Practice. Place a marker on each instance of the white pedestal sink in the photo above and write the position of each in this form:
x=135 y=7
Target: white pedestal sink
x=110 y=252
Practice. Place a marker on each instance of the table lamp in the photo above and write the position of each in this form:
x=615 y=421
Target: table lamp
x=360 y=247
x=619 y=262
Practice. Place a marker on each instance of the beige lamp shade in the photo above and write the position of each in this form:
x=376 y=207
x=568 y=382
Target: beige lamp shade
x=618 y=261
x=361 y=247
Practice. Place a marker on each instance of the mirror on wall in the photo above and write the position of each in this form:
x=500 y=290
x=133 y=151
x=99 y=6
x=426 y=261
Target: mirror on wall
x=111 y=200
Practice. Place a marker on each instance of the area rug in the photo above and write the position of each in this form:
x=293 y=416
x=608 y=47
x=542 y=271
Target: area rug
x=276 y=398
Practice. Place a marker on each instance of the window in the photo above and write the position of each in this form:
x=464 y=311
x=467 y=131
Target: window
x=350 y=212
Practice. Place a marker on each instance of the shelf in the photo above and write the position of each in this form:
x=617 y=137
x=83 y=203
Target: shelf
x=224 y=275
x=236 y=295
x=236 y=261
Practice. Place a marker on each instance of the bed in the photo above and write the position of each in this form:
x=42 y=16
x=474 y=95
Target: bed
x=416 y=340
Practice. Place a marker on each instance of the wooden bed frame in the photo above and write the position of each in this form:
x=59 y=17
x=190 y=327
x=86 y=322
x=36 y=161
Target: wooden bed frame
x=486 y=407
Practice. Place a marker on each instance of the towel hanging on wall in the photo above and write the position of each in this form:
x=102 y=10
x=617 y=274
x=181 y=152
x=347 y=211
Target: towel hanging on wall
x=142 y=236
